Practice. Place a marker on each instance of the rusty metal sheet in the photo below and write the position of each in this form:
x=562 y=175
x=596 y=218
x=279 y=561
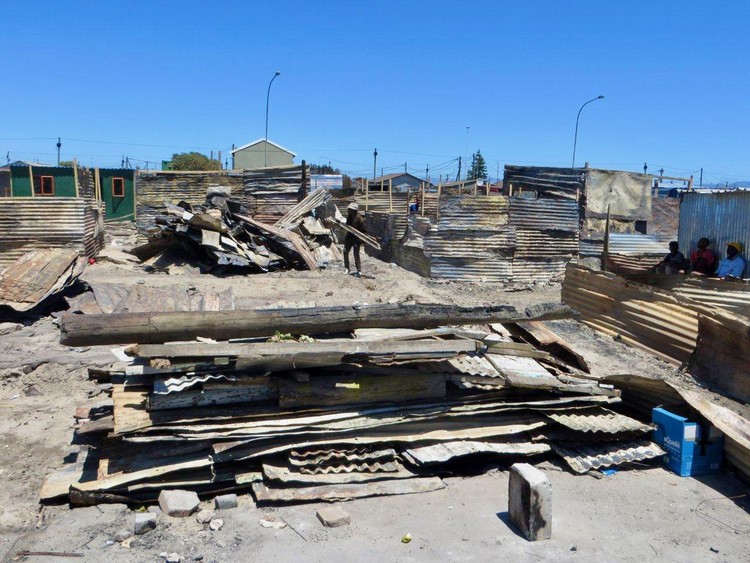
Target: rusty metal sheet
x=587 y=456
x=316 y=457
x=598 y=420
x=282 y=474
x=545 y=181
x=37 y=275
x=363 y=467
x=544 y=214
x=332 y=493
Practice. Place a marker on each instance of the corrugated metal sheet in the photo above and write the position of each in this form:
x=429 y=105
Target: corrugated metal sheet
x=637 y=244
x=722 y=217
x=585 y=457
x=364 y=467
x=382 y=202
x=494 y=270
x=540 y=244
x=440 y=453
x=49 y=222
x=598 y=420
x=641 y=315
x=328 y=457
x=473 y=213
x=544 y=214
x=531 y=270
x=163 y=385
x=270 y=193
x=544 y=181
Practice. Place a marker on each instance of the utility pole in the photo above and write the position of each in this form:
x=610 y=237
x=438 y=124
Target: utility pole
x=427 y=173
x=645 y=168
x=701 y=177
x=7 y=157
x=404 y=168
x=59 y=144
x=458 y=176
x=466 y=148
x=374 y=163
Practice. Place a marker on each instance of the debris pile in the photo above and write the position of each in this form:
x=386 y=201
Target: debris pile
x=372 y=412
x=222 y=237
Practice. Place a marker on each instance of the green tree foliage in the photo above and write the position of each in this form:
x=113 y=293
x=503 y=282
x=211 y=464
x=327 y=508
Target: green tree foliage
x=194 y=161
x=66 y=163
x=478 y=167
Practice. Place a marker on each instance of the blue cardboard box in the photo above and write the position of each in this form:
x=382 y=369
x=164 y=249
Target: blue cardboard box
x=692 y=449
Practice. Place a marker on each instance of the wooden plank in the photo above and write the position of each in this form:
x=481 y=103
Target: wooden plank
x=57 y=485
x=331 y=493
x=255 y=390
x=368 y=240
x=421 y=348
x=342 y=390
x=297 y=241
x=146 y=328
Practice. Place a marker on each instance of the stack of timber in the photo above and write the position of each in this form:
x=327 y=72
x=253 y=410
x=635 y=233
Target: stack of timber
x=376 y=400
x=222 y=236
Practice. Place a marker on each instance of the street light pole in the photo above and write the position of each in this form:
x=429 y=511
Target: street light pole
x=268 y=97
x=466 y=151
x=575 y=139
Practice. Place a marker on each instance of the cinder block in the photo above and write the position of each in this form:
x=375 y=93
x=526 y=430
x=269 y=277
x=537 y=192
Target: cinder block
x=178 y=503
x=530 y=502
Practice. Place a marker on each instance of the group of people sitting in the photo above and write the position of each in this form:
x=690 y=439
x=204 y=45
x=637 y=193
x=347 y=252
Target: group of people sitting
x=703 y=261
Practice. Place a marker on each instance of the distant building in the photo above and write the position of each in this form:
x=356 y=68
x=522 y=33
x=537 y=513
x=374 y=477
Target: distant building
x=400 y=182
x=260 y=154
x=327 y=181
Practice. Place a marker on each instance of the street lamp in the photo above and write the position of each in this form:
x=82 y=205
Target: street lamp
x=575 y=139
x=268 y=97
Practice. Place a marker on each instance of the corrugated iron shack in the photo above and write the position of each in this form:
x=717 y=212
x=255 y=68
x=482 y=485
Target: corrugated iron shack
x=272 y=192
x=722 y=217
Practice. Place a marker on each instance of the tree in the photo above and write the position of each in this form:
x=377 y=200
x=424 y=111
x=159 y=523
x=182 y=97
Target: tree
x=478 y=167
x=194 y=161
x=66 y=163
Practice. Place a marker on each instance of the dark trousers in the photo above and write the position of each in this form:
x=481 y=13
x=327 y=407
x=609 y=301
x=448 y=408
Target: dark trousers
x=348 y=245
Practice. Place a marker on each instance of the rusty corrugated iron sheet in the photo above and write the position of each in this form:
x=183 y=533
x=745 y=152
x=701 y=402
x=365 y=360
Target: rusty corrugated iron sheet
x=49 y=222
x=721 y=217
x=586 y=456
x=545 y=181
x=544 y=214
x=643 y=316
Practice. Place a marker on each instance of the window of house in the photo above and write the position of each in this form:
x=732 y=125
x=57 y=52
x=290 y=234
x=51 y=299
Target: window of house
x=44 y=185
x=118 y=187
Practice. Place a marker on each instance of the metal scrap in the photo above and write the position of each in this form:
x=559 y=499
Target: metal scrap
x=599 y=420
x=586 y=456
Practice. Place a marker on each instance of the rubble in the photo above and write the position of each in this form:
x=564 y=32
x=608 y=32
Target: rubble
x=222 y=237
x=178 y=503
x=225 y=502
x=144 y=522
x=333 y=516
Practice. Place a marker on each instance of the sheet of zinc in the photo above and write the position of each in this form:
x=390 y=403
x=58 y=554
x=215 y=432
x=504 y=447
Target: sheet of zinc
x=721 y=217
x=544 y=214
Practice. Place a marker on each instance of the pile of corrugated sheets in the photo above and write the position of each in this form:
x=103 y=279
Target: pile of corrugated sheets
x=222 y=237
x=379 y=412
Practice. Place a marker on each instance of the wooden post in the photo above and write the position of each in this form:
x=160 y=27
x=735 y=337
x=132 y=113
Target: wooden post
x=510 y=190
x=605 y=254
x=366 y=184
x=31 y=180
x=75 y=175
x=421 y=203
x=390 y=195
x=487 y=188
x=303 y=195
x=437 y=210
x=97 y=185
x=475 y=187
x=10 y=178
x=135 y=191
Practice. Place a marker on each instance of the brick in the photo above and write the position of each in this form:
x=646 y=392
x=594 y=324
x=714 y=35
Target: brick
x=225 y=502
x=178 y=503
x=530 y=502
x=333 y=516
x=144 y=522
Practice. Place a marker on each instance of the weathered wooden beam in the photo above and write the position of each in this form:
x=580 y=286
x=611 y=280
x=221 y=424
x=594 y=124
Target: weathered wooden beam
x=157 y=327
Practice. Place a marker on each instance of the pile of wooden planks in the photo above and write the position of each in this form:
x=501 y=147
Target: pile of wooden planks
x=370 y=411
x=222 y=236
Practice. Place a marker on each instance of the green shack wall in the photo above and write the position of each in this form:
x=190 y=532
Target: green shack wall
x=65 y=185
x=118 y=208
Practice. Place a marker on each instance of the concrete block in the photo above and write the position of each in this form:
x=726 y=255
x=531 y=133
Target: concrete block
x=225 y=502
x=144 y=522
x=530 y=502
x=333 y=516
x=178 y=503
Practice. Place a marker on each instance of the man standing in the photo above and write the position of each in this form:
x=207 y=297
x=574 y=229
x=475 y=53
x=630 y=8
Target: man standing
x=354 y=220
x=703 y=260
x=733 y=266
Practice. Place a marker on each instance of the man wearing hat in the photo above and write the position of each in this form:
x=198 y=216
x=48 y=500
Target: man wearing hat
x=733 y=266
x=354 y=220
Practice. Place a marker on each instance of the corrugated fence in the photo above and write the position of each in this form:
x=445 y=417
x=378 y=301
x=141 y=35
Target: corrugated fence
x=31 y=223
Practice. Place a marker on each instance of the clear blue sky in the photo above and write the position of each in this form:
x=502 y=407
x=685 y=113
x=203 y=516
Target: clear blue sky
x=146 y=79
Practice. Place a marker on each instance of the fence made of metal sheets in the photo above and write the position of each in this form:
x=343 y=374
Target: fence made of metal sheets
x=32 y=223
x=544 y=214
x=640 y=315
x=270 y=193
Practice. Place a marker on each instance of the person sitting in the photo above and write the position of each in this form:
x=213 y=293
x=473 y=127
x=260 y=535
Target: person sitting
x=703 y=260
x=733 y=266
x=674 y=262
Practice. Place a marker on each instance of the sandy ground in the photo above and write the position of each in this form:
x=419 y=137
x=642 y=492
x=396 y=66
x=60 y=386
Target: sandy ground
x=636 y=514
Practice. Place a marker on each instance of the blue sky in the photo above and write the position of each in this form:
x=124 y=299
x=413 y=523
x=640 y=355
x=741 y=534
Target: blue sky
x=147 y=79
